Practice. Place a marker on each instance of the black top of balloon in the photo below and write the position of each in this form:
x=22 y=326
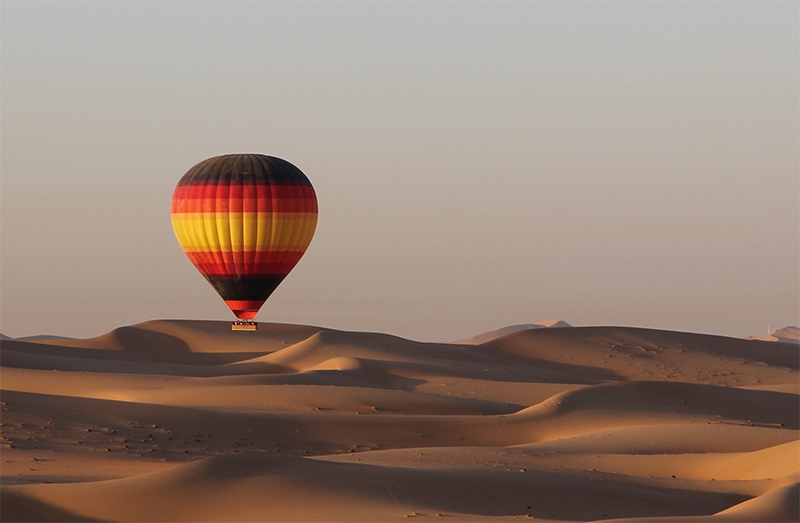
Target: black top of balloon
x=238 y=168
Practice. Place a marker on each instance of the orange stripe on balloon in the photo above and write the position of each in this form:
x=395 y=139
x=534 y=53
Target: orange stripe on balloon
x=185 y=205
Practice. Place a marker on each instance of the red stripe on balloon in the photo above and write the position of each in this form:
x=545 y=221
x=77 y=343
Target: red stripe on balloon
x=244 y=198
x=206 y=264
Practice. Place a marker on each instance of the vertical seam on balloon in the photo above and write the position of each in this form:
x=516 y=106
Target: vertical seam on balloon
x=285 y=246
x=197 y=230
x=254 y=234
x=310 y=225
x=298 y=242
x=227 y=223
x=269 y=226
x=224 y=225
x=199 y=225
x=210 y=222
x=258 y=225
x=299 y=225
x=268 y=256
x=238 y=258
x=250 y=235
x=249 y=259
x=224 y=179
x=309 y=206
x=259 y=186
x=178 y=223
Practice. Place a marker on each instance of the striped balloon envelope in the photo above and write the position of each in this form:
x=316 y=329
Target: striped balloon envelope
x=244 y=220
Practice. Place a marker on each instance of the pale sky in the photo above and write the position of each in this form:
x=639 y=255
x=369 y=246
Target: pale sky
x=477 y=164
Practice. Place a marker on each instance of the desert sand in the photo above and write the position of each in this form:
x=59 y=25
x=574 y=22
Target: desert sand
x=178 y=420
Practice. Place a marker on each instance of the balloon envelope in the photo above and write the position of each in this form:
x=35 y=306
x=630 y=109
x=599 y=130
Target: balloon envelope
x=244 y=220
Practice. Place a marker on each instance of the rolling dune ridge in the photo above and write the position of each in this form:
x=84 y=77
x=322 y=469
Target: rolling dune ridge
x=179 y=420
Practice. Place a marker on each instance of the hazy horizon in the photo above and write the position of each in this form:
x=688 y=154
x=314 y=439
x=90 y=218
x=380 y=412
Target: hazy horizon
x=477 y=165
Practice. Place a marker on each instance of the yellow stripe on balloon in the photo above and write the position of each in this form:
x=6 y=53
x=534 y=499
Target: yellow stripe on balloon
x=248 y=232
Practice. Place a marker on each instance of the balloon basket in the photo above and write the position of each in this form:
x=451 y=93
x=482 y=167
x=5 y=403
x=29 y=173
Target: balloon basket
x=244 y=326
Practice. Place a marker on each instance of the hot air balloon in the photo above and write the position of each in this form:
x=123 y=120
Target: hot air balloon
x=244 y=221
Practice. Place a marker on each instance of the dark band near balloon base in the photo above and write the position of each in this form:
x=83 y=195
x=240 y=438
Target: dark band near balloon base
x=253 y=288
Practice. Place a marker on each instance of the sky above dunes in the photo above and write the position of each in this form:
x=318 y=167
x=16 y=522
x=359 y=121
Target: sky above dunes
x=477 y=164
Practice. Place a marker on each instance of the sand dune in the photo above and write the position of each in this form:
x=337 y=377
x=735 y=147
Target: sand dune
x=187 y=421
x=499 y=333
x=785 y=335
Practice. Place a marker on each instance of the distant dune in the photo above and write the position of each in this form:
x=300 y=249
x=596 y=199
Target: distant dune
x=187 y=421
x=784 y=335
x=37 y=337
x=511 y=329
